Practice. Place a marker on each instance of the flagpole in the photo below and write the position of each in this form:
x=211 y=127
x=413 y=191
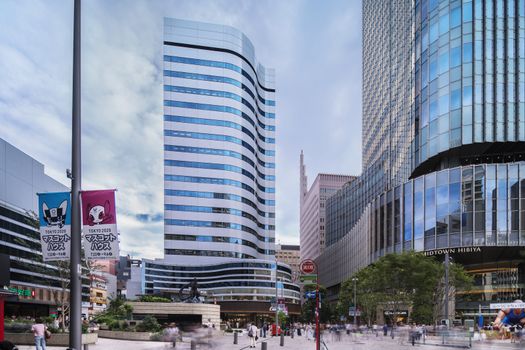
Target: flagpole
x=75 y=295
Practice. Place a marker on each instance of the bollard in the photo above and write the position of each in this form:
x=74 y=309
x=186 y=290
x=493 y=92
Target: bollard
x=235 y=337
x=264 y=346
x=86 y=347
x=174 y=343
x=292 y=332
x=282 y=338
x=193 y=345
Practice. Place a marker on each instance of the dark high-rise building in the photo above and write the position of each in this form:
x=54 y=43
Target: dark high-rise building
x=443 y=145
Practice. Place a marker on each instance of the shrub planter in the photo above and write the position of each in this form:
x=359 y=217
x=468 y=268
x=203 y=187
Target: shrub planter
x=125 y=335
x=57 y=339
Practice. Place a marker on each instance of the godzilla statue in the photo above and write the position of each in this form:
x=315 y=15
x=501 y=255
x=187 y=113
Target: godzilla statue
x=193 y=296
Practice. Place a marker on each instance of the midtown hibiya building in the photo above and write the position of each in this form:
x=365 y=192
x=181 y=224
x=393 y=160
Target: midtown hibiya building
x=39 y=285
x=219 y=174
x=443 y=147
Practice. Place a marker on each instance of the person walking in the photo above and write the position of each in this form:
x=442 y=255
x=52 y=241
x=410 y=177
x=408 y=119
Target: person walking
x=252 y=334
x=265 y=329
x=39 y=331
x=309 y=332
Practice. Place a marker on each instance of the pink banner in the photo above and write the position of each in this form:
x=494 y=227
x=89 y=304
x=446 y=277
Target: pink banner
x=98 y=207
x=99 y=219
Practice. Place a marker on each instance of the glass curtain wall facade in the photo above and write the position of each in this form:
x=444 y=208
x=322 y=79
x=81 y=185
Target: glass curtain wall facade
x=469 y=82
x=387 y=113
x=464 y=190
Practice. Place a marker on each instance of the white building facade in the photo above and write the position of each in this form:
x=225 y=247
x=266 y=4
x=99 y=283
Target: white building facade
x=219 y=172
x=219 y=146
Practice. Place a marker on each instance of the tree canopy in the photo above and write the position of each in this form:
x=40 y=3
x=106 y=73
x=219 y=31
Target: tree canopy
x=401 y=280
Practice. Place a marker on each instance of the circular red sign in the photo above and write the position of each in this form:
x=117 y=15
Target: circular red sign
x=307 y=266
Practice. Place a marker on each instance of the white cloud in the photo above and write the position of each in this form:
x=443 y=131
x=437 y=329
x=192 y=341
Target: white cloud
x=314 y=46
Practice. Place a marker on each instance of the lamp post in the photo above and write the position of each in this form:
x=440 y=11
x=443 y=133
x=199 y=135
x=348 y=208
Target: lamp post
x=75 y=296
x=355 y=300
x=447 y=261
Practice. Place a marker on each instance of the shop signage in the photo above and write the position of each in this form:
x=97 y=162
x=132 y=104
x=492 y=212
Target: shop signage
x=497 y=306
x=22 y=292
x=459 y=250
x=399 y=313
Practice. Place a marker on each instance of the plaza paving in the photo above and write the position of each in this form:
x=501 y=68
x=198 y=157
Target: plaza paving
x=225 y=342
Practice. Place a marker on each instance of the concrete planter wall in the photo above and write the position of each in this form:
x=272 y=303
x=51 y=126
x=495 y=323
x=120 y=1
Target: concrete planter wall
x=57 y=339
x=125 y=335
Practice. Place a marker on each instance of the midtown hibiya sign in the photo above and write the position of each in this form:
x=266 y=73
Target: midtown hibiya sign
x=307 y=266
x=459 y=250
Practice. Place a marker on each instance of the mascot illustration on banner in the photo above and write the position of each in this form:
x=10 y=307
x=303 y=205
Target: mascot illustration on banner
x=55 y=216
x=99 y=214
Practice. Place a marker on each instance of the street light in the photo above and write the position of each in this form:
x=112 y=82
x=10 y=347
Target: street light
x=355 y=300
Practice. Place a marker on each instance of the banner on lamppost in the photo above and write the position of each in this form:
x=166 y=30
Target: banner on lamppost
x=99 y=220
x=54 y=212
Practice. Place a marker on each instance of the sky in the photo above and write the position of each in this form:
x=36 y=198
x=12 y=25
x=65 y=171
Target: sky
x=315 y=47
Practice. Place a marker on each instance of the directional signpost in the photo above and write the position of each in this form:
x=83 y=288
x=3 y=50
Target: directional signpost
x=310 y=295
x=308 y=276
x=308 y=279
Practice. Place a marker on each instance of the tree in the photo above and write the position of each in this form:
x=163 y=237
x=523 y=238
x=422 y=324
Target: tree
x=459 y=282
x=405 y=280
x=368 y=296
x=282 y=317
x=308 y=307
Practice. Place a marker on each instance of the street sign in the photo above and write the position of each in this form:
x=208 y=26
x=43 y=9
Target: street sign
x=352 y=312
x=308 y=279
x=307 y=266
x=310 y=295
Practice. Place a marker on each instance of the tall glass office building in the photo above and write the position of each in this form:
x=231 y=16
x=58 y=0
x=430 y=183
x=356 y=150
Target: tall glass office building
x=219 y=170
x=465 y=121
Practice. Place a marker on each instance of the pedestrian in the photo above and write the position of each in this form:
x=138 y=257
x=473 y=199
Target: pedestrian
x=40 y=332
x=265 y=329
x=385 y=330
x=172 y=334
x=309 y=332
x=252 y=334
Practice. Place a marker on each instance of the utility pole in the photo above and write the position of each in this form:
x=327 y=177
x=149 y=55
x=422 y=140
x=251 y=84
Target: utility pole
x=317 y=296
x=75 y=296
x=446 y=286
x=355 y=301
x=276 y=302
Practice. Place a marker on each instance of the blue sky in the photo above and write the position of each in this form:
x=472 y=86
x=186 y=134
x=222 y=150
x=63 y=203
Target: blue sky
x=315 y=47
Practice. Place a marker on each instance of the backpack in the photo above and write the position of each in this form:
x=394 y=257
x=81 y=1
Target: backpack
x=250 y=332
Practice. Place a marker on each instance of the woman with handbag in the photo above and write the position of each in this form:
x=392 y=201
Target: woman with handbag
x=41 y=334
x=252 y=334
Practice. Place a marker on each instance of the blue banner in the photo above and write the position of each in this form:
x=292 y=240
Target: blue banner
x=54 y=212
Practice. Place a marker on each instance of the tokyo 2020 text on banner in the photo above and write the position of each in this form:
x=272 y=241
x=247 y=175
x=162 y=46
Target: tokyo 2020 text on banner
x=54 y=211
x=99 y=220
